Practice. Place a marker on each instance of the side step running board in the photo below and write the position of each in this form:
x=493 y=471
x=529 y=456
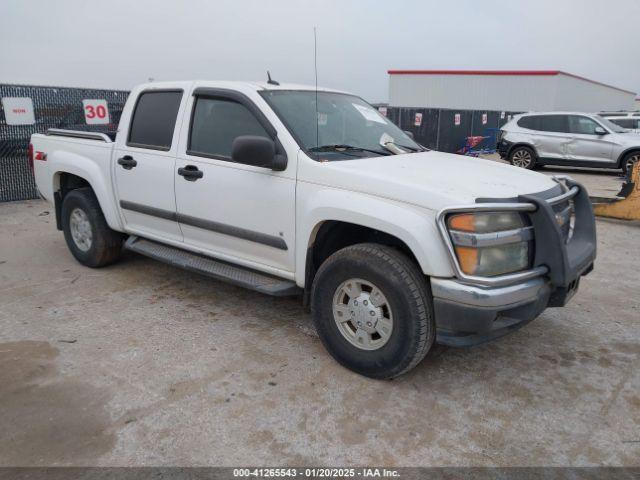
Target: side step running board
x=241 y=276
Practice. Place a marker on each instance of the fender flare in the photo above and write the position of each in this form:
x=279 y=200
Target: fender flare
x=88 y=170
x=414 y=226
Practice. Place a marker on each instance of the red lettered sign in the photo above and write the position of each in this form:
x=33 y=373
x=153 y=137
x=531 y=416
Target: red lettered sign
x=417 y=121
x=484 y=118
x=18 y=110
x=96 y=112
x=456 y=119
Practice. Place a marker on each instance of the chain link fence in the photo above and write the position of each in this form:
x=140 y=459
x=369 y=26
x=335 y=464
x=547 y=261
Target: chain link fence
x=53 y=107
x=448 y=130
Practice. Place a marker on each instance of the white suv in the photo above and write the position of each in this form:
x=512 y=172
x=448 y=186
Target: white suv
x=567 y=138
x=627 y=122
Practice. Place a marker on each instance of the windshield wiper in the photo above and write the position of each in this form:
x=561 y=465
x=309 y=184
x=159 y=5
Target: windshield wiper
x=338 y=147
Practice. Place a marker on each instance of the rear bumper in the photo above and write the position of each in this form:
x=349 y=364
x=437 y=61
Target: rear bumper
x=468 y=315
x=503 y=148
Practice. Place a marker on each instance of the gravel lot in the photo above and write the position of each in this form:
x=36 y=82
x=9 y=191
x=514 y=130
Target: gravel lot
x=144 y=364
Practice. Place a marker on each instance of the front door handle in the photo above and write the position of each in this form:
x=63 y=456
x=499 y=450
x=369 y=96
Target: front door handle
x=127 y=162
x=190 y=173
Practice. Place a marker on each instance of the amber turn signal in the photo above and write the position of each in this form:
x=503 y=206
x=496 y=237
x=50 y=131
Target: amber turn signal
x=465 y=222
x=468 y=259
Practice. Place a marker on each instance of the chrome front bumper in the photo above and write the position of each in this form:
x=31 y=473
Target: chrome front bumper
x=471 y=309
x=468 y=315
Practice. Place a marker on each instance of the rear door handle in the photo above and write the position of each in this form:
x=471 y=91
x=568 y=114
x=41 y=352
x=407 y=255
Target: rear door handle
x=127 y=162
x=191 y=173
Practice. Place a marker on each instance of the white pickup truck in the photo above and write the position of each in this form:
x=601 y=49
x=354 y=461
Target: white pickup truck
x=285 y=189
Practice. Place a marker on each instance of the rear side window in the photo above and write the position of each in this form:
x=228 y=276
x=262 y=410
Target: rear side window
x=217 y=123
x=154 y=119
x=545 y=123
x=554 y=123
x=530 y=122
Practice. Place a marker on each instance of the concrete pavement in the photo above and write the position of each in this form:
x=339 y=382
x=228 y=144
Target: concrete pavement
x=141 y=363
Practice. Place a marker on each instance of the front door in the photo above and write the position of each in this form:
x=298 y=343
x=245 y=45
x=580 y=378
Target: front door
x=586 y=145
x=145 y=167
x=233 y=211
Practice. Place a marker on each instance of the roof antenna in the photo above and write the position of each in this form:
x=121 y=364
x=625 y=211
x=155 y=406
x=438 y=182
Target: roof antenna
x=271 y=82
x=315 y=66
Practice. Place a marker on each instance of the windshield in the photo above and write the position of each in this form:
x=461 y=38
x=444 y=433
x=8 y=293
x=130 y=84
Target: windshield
x=347 y=127
x=610 y=125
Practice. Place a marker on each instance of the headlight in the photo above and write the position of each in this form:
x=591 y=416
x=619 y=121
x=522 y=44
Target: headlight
x=490 y=244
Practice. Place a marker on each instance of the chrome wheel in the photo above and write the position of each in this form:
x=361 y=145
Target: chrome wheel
x=522 y=158
x=363 y=314
x=80 y=229
x=631 y=161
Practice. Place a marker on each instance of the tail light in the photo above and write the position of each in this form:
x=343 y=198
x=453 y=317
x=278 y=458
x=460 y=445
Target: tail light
x=30 y=156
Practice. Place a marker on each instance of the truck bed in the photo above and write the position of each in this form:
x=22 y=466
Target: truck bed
x=72 y=151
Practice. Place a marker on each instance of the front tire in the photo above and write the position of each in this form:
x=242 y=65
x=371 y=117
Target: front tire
x=86 y=232
x=372 y=308
x=629 y=160
x=523 y=157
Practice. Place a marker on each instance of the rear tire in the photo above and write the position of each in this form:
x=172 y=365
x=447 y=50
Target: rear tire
x=86 y=232
x=523 y=157
x=390 y=294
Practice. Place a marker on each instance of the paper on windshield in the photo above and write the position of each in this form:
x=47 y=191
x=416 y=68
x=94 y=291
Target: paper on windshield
x=369 y=113
x=386 y=138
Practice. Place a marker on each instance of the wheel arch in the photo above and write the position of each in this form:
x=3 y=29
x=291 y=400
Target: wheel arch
x=354 y=217
x=416 y=237
x=625 y=153
x=63 y=183
x=522 y=144
x=329 y=236
x=67 y=179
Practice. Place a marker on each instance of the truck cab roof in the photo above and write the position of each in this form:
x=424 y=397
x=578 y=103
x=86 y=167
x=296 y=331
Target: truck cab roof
x=233 y=85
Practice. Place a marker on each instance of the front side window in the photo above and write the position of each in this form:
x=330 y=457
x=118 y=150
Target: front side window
x=582 y=125
x=337 y=126
x=154 y=120
x=217 y=123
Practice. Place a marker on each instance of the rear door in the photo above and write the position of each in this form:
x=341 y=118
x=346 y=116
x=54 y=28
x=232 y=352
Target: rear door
x=145 y=166
x=552 y=136
x=586 y=145
x=237 y=212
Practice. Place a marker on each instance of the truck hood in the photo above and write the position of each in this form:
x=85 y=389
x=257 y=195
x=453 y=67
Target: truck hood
x=432 y=180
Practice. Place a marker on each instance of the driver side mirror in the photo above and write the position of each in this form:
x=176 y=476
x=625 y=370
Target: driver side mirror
x=409 y=134
x=257 y=151
x=599 y=131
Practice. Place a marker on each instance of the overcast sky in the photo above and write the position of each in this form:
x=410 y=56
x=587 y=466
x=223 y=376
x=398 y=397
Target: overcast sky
x=119 y=43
